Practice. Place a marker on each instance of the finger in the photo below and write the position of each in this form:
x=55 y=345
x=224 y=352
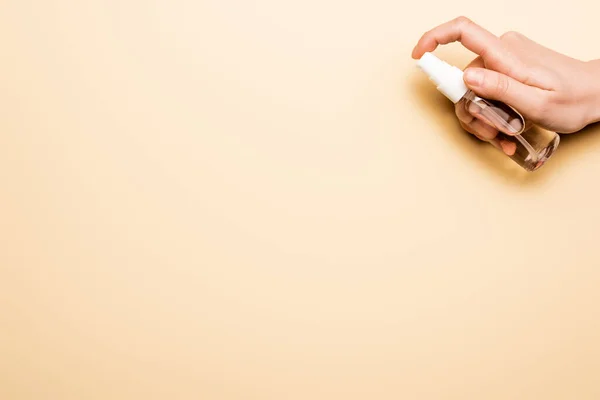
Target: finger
x=516 y=124
x=506 y=146
x=474 y=38
x=503 y=114
x=496 y=86
x=482 y=130
x=485 y=129
x=500 y=119
x=475 y=109
x=463 y=114
x=467 y=128
x=476 y=63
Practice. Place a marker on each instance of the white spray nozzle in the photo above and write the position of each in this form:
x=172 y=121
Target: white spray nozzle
x=447 y=78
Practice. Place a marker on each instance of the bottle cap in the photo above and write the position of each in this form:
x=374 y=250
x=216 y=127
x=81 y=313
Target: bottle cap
x=447 y=78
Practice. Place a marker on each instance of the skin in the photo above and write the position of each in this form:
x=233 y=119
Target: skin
x=550 y=89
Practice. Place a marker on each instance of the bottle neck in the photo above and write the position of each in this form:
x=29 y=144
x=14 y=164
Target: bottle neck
x=453 y=85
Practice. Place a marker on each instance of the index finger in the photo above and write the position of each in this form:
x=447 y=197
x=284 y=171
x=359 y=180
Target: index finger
x=473 y=37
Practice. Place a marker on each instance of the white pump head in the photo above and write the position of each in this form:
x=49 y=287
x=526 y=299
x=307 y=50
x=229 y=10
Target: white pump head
x=447 y=78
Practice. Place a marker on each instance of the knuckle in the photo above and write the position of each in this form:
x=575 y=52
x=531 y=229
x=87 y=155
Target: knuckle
x=463 y=21
x=510 y=35
x=502 y=86
x=463 y=116
x=543 y=106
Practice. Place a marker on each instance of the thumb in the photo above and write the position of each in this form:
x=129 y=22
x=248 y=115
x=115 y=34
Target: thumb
x=495 y=86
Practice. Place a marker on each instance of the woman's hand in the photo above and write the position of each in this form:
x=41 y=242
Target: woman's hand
x=550 y=89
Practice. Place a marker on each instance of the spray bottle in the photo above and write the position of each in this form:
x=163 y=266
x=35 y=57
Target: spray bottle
x=530 y=148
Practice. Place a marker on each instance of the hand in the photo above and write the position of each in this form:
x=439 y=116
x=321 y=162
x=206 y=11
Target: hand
x=552 y=90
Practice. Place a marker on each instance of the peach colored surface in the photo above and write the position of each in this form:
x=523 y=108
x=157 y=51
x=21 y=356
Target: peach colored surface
x=265 y=199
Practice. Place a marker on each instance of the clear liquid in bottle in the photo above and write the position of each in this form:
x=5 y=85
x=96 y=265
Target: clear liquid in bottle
x=530 y=148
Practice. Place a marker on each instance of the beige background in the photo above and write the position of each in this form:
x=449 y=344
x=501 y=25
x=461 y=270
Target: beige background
x=265 y=199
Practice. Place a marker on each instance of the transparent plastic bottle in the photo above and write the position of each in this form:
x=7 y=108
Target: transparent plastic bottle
x=530 y=148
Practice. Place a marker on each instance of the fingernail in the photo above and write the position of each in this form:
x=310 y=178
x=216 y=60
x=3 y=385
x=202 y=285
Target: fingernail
x=474 y=77
x=516 y=125
x=509 y=148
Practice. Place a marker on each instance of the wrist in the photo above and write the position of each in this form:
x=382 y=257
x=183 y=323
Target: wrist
x=594 y=93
